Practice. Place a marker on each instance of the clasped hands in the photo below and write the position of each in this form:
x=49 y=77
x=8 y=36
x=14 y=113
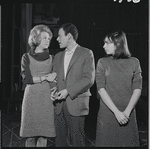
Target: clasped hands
x=122 y=117
x=61 y=95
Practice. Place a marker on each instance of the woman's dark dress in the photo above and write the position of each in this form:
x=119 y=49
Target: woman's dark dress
x=119 y=78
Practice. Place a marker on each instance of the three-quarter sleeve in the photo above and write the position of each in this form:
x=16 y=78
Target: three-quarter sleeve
x=25 y=71
x=100 y=75
x=137 y=78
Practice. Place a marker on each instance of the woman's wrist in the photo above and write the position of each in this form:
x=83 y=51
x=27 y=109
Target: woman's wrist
x=43 y=78
x=127 y=112
x=115 y=111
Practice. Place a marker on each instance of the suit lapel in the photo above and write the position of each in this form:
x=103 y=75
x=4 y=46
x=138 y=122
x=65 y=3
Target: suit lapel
x=74 y=58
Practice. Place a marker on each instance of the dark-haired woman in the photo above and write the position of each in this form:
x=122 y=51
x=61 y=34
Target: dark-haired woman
x=119 y=84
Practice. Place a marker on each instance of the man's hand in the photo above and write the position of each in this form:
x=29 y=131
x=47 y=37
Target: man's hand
x=54 y=93
x=62 y=94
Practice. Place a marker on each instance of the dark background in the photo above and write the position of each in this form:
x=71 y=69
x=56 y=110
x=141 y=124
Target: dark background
x=94 y=19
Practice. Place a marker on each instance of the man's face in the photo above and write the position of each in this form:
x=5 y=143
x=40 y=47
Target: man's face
x=62 y=38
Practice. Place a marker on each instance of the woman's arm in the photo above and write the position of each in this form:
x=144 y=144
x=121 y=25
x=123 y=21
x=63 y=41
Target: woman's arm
x=51 y=77
x=134 y=99
x=39 y=79
x=25 y=71
x=137 y=87
x=27 y=78
x=122 y=119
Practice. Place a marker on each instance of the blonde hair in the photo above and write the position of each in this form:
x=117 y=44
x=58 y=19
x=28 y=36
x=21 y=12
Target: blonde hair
x=35 y=34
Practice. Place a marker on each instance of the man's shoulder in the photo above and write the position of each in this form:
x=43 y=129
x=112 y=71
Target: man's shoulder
x=84 y=49
x=59 y=54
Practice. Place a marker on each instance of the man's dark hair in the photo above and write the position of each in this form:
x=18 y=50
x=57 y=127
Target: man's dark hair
x=70 y=28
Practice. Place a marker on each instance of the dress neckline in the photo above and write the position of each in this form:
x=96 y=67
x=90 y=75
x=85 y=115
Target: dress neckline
x=39 y=56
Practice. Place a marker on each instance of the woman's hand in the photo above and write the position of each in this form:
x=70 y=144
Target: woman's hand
x=126 y=114
x=121 y=118
x=51 y=77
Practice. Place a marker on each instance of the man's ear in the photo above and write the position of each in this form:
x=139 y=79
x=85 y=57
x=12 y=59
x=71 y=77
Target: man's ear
x=69 y=36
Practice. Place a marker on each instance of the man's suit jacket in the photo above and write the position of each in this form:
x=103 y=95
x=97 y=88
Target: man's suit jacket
x=80 y=77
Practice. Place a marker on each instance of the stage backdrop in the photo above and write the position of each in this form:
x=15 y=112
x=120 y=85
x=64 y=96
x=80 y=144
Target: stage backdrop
x=0 y=43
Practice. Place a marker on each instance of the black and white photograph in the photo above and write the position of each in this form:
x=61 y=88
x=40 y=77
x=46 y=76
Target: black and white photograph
x=74 y=73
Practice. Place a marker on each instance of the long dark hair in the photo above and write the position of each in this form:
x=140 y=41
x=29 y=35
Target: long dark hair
x=120 y=41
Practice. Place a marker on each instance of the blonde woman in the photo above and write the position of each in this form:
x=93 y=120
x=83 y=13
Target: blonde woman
x=37 y=119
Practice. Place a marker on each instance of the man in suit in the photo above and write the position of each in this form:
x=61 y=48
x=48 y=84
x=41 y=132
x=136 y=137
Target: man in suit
x=75 y=68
